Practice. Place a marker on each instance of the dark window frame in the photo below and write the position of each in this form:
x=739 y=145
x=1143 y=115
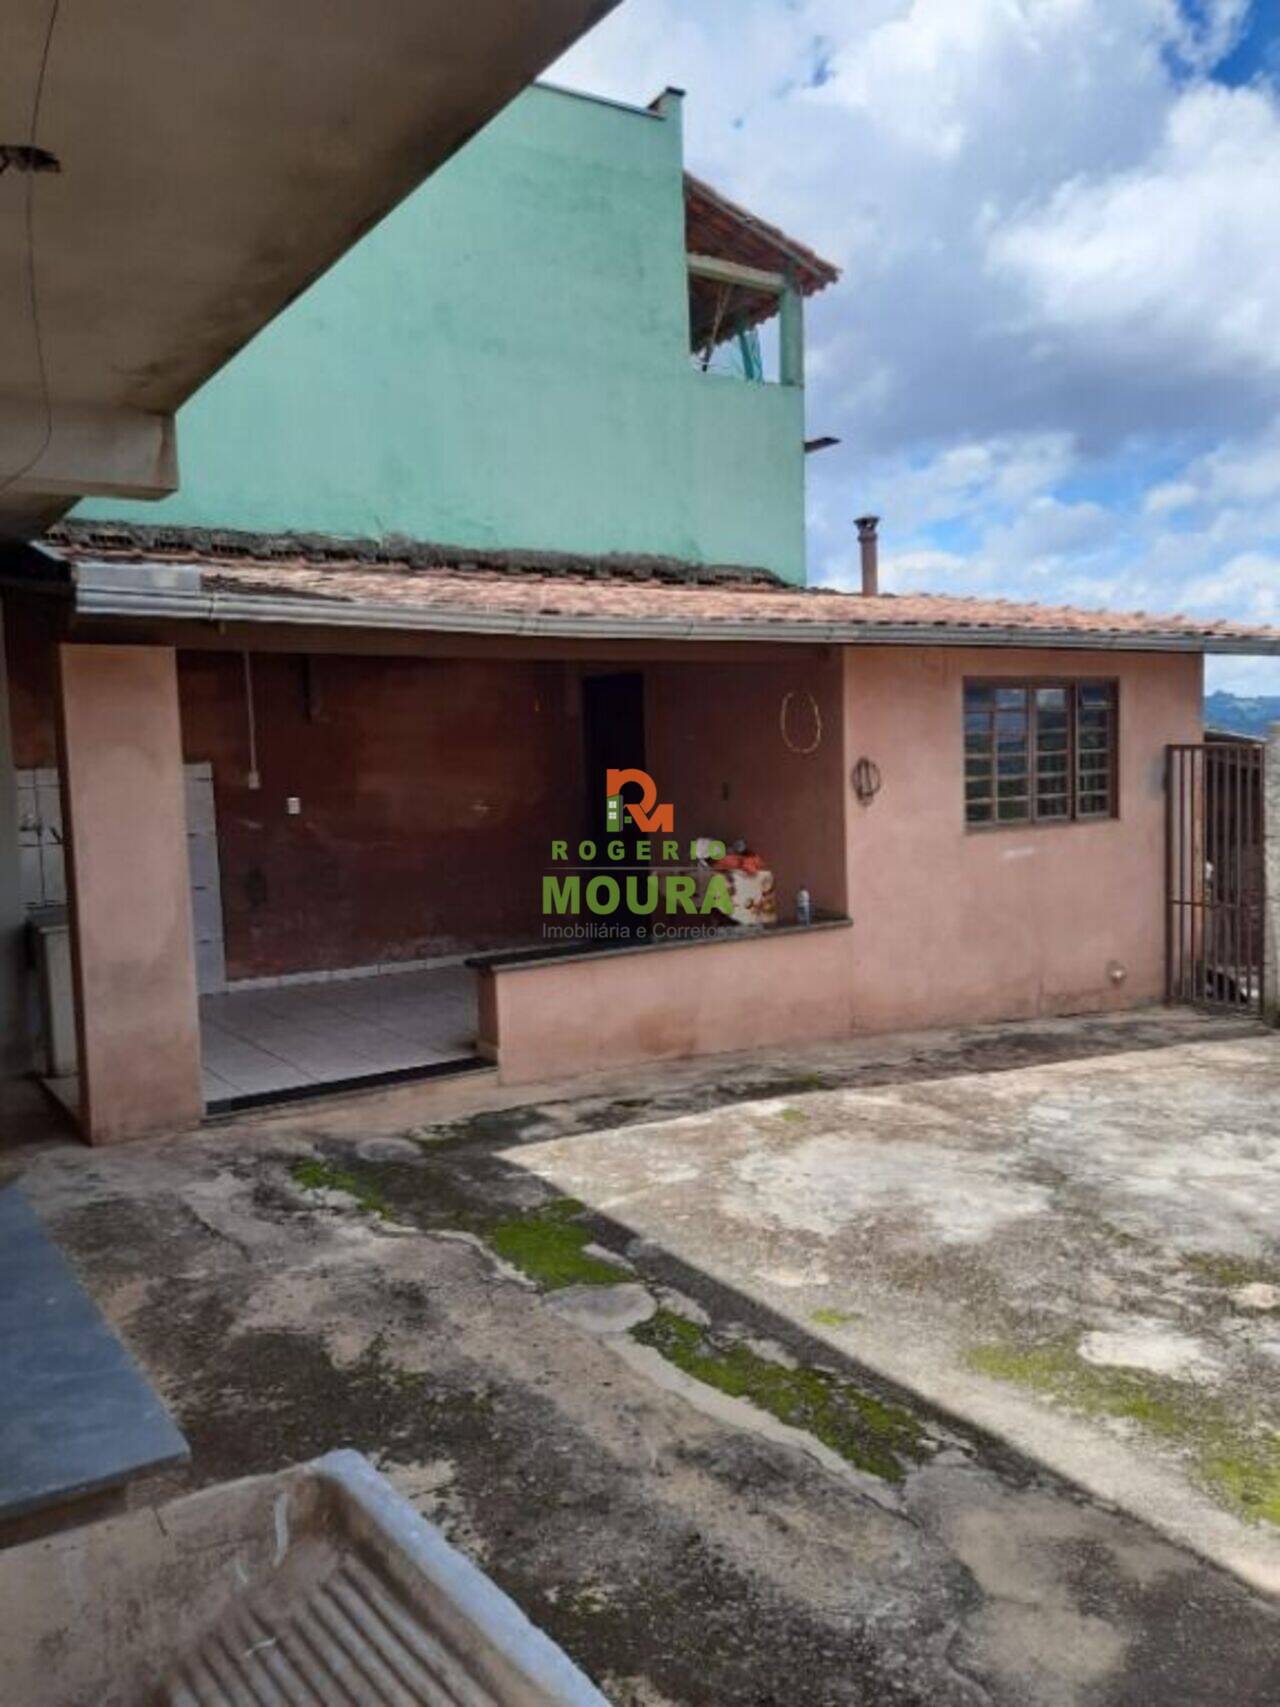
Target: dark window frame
x=1031 y=686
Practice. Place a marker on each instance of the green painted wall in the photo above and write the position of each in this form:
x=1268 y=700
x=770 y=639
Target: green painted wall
x=503 y=362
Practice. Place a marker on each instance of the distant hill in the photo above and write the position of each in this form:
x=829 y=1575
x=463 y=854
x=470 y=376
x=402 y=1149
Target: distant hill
x=1240 y=715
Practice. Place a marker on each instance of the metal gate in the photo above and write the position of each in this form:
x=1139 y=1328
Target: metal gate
x=1215 y=912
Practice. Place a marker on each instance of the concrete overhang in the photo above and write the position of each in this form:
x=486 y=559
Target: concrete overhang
x=214 y=159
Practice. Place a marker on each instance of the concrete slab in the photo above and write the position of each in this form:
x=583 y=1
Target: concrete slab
x=1078 y=1257
x=604 y=1309
x=78 y=1416
x=718 y=1504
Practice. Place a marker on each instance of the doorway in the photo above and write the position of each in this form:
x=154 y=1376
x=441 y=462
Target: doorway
x=1215 y=880
x=612 y=739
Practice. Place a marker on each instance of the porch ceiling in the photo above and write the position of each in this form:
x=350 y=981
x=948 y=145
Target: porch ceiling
x=214 y=159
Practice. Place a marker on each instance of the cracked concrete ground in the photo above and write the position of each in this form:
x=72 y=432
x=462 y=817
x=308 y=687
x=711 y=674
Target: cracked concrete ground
x=1083 y=1257
x=650 y=1416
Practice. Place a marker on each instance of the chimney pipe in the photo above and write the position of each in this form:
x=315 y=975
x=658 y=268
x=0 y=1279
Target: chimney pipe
x=870 y=543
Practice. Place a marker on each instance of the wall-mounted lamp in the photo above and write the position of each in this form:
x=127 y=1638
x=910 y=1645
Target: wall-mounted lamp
x=25 y=157
x=866 y=781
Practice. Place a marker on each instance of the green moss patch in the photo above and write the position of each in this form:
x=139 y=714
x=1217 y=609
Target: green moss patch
x=880 y=1438
x=1058 y=1370
x=1230 y=1272
x=1250 y=1481
x=312 y=1174
x=833 y=1318
x=547 y=1244
x=1232 y=1458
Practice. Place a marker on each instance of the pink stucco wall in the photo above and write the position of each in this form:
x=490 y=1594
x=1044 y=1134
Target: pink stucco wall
x=952 y=924
x=715 y=747
x=579 y=1016
x=129 y=887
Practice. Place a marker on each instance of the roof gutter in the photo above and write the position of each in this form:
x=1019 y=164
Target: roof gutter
x=177 y=592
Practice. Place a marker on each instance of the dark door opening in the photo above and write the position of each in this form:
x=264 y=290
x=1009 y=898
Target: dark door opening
x=613 y=738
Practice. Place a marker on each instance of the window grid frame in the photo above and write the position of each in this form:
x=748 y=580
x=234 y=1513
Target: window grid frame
x=1031 y=687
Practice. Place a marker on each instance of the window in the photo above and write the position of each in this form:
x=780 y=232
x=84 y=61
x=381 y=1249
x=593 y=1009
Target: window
x=1039 y=752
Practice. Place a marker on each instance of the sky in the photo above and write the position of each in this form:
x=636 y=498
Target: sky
x=1053 y=359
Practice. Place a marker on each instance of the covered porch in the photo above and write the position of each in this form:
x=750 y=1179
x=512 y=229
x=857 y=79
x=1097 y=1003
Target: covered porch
x=304 y=860
x=301 y=764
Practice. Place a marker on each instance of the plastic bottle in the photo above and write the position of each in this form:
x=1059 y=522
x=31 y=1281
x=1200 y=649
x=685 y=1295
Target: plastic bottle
x=804 y=907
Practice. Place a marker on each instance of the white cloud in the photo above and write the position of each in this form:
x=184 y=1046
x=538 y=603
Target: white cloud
x=1246 y=676
x=1047 y=533
x=1168 y=498
x=1176 y=257
x=1243 y=472
x=1249 y=584
x=1053 y=356
x=968 y=478
x=921 y=572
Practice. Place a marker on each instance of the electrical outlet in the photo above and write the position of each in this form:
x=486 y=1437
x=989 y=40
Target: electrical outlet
x=293 y=806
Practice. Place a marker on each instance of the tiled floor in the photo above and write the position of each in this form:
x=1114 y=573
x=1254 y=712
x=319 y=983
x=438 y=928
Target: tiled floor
x=259 y=1042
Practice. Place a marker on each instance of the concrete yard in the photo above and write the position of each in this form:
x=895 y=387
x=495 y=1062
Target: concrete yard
x=1083 y=1258
x=817 y=1378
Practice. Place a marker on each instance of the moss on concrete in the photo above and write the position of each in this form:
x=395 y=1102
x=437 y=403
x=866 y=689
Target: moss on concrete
x=797 y=1084
x=312 y=1174
x=1250 y=1481
x=826 y=1318
x=874 y=1436
x=547 y=1244
x=1057 y=1369
x=1234 y=1458
x=1231 y=1272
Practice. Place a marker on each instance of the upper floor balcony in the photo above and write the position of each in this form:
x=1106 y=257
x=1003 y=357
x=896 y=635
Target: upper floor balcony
x=747 y=287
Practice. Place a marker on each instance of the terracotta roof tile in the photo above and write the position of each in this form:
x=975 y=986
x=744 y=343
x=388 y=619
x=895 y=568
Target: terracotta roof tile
x=716 y=226
x=658 y=592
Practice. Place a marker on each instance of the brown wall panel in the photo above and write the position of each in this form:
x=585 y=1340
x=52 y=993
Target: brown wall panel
x=717 y=750
x=429 y=790
x=32 y=628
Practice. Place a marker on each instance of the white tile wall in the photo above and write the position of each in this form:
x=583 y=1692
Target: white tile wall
x=43 y=859
x=40 y=838
x=206 y=879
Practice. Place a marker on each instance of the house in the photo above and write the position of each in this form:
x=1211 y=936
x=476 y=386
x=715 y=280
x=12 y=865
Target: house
x=480 y=619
